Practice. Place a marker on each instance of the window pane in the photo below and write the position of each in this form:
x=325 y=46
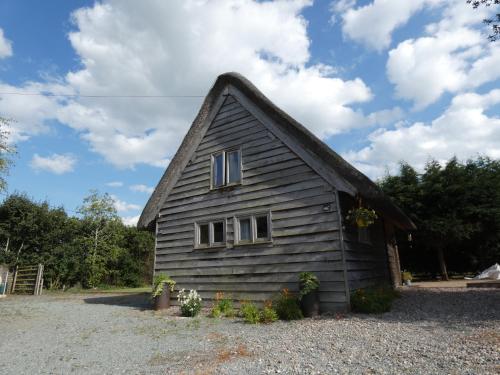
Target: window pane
x=364 y=235
x=262 y=230
x=234 y=166
x=203 y=234
x=245 y=234
x=218 y=231
x=218 y=171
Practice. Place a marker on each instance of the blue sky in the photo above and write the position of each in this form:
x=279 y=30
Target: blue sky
x=379 y=81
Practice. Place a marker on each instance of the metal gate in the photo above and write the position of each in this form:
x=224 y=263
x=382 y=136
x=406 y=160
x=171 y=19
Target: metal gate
x=27 y=280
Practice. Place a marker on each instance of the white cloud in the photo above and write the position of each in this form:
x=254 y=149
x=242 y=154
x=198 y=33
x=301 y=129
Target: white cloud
x=122 y=206
x=55 y=163
x=142 y=188
x=463 y=130
x=5 y=46
x=114 y=184
x=31 y=114
x=161 y=47
x=374 y=23
x=130 y=221
x=454 y=56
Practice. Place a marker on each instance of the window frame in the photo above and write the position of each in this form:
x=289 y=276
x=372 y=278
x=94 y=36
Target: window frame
x=253 y=229
x=225 y=168
x=212 y=166
x=211 y=243
x=364 y=239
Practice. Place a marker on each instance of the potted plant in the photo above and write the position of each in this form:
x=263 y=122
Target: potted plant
x=309 y=294
x=362 y=216
x=163 y=286
x=407 y=278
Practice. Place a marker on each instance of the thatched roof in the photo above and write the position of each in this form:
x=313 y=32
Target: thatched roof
x=362 y=185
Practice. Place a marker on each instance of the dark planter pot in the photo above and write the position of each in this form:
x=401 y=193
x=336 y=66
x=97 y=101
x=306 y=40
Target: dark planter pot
x=309 y=304
x=162 y=301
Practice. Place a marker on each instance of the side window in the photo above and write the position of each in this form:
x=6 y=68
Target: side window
x=364 y=235
x=210 y=234
x=226 y=168
x=262 y=227
x=252 y=229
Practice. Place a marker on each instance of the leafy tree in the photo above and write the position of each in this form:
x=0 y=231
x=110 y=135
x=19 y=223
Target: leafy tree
x=98 y=236
x=492 y=22
x=32 y=232
x=93 y=249
x=456 y=209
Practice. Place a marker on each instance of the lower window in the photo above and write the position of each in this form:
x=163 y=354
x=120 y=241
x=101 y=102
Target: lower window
x=210 y=234
x=252 y=229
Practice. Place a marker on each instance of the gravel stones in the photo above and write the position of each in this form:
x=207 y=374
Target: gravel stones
x=429 y=331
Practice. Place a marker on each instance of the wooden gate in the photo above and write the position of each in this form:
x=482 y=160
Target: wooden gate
x=27 y=280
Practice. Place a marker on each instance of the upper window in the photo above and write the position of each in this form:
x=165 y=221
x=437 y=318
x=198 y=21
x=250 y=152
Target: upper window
x=252 y=229
x=226 y=168
x=210 y=234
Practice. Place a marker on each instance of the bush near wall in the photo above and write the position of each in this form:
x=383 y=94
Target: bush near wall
x=373 y=300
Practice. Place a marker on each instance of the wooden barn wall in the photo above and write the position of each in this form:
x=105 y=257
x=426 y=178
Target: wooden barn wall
x=367 y=264
x=305 y=228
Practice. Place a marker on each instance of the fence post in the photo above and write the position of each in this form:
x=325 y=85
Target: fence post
x=13 y=286
x=37 y=281
x=40 y=282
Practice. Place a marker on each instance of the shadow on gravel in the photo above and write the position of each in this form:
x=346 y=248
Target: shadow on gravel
x=140 y=301
x=448 y=308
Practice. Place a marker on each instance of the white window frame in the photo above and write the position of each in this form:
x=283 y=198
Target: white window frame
x=212 y=174
x=211 y=242
x=225 y=168
x=253 y=229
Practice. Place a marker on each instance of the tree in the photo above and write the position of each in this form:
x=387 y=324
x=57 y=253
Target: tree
x=6 y=151
x=99 y=235
x=92 y=250
x=456 y=209
x=33 y=232
x=492 y=22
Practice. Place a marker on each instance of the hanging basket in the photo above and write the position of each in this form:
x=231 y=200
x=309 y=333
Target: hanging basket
x=362 y=217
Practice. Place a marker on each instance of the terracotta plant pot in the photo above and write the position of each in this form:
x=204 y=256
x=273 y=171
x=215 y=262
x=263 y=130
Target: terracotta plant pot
x=162 y=301
x=309 y=304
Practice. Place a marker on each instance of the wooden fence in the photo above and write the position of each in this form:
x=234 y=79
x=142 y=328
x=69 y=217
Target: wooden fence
x=27 y=280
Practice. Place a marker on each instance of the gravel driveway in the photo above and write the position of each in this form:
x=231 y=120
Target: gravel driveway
x=429 y=331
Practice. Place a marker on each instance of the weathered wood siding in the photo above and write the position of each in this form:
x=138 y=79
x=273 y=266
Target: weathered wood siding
x=366 y=263
x=305 y=228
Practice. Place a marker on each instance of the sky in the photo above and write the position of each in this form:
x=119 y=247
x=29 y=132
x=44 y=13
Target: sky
x=380 y=81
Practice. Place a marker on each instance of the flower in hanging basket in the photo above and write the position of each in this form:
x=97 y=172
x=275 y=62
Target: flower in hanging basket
x=361 y=216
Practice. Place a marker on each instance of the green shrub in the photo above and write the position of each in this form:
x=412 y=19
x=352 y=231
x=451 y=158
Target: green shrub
x=215 y=312
x=373 y=300
x=287 y=306
x=309 y=282
x=190 y=303
x=159 y=282
x=268 y=315
x=249 y=312
x=222 y=306
x=226 y=307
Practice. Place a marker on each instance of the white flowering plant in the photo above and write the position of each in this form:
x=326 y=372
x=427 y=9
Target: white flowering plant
x=190 y=302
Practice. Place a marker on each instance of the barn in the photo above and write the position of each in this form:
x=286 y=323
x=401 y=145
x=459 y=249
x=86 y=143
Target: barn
x=252 y=198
